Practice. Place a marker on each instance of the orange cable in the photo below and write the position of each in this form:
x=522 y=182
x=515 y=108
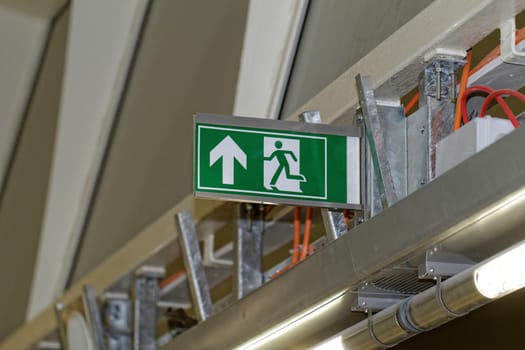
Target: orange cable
x=169 y=280
x=462 y=88
x=307 y=231
x=296 y=234
x=413 y=101
x=520 y=36
x=346 y=215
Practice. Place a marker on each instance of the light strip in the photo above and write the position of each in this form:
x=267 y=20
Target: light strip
x=502 y=274
x=335 y=343
x=294 y=322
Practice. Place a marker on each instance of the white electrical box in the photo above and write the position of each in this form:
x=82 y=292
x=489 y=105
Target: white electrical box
x=468 y=140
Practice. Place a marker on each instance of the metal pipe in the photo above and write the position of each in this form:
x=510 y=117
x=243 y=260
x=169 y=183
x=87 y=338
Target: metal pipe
x=425 y=311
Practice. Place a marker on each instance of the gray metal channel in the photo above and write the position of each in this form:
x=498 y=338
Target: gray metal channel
x=198 y=284
x=425 y=128
x=417 y=146
x=393 y=134
x=248 y=248
x=468 y=202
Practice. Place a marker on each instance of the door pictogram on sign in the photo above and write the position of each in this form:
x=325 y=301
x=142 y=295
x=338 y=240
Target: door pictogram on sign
x=282 y=168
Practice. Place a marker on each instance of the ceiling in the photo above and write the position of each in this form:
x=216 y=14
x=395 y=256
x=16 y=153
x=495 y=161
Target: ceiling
x=95 y=129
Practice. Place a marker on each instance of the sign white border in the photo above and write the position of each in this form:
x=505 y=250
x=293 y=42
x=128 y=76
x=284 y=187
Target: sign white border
x=272 y=133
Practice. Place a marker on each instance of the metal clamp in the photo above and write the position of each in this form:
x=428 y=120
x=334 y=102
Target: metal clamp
x=374 y=336
x=405 y=320
x=441 y=302
x=509 y=53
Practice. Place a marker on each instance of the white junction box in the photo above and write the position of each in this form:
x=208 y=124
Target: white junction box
x=469 y=140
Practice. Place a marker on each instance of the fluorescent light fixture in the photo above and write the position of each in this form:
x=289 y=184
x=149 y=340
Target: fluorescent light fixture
x=294 y=322
x=335 y=343
x=502 y=274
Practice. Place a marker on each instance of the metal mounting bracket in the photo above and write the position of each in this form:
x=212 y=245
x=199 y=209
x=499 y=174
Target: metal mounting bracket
x=92 y=311
x=334 y=221
x=442 y=264
x=386 y=153
x=197 y=281
x=62 y=331
x=509 y=52
x=117 y=320
x=208 y=255
x=146 y=293
x=248 y=249
x=373 y=299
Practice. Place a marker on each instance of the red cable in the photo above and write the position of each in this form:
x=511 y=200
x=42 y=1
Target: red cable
x=488 y=90
x=497 y=94
x=462 y=87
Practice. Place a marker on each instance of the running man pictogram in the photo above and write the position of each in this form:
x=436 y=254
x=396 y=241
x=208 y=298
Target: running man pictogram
x=284 y=156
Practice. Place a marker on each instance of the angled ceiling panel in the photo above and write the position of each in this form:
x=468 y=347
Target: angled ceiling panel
x=267 y=56
x=101 y=41
x=24 y=198
x=188 y=61
x=24 y=27
x=337 y=33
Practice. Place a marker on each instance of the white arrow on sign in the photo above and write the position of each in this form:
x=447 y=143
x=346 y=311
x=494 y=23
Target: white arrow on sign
x=229 y=151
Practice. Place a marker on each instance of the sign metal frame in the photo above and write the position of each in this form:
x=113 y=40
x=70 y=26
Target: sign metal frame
x=274 y=128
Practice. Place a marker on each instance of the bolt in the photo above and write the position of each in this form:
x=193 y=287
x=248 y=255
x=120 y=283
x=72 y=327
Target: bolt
x=422 y=130
x=438 y=82
x=431 y=270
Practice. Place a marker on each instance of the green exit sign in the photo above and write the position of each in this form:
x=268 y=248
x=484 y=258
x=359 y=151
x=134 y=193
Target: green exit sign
x=273 y=161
